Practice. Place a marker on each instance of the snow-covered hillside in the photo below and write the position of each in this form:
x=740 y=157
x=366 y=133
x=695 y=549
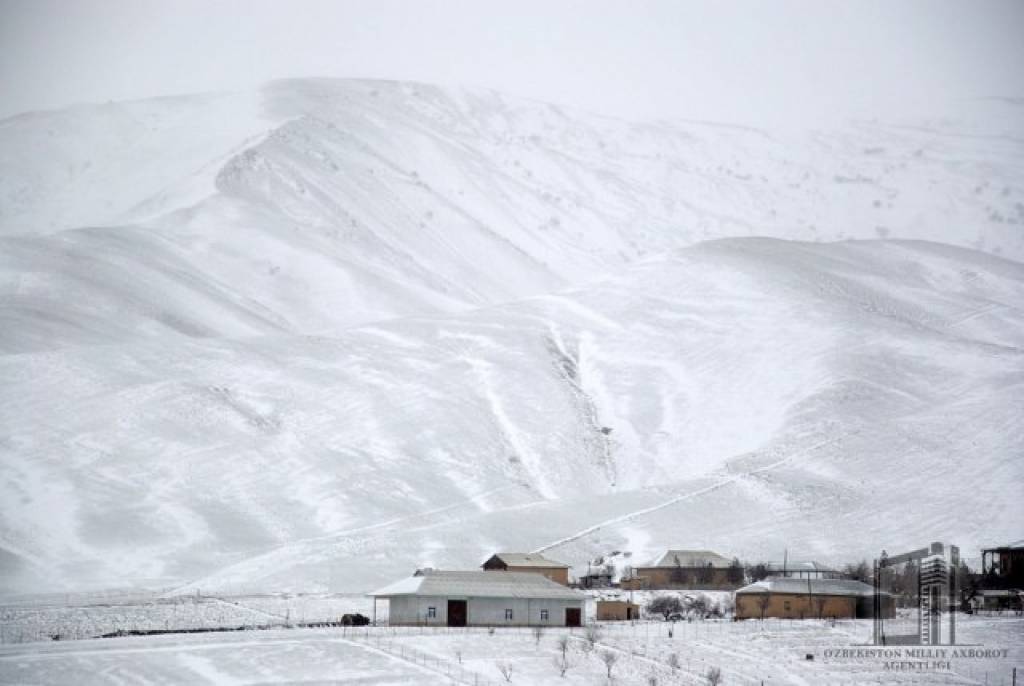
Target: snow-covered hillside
x=316 y=205
x=378 y=325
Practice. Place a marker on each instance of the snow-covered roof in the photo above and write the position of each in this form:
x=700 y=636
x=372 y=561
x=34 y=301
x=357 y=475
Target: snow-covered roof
x=528 y=560
x=691 y=558
x=479 y=585
x=846 y=587
x=798 y=566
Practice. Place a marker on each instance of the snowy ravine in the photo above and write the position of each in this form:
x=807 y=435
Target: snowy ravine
x=312 y=337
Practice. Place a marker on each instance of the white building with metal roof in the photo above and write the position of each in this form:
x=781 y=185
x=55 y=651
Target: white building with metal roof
x=445 y=598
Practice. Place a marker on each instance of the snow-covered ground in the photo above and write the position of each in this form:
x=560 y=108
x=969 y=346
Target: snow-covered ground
x=643 y=653
x=72 y=617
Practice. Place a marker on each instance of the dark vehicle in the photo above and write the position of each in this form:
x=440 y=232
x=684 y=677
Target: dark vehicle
x=356 y=619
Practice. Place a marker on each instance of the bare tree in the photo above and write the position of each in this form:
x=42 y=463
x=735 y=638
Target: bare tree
x=609 y=659
x=819 y=605
x=714 y=676
x=735 y=573
x=665 y=605
x=699 y=605
x=562 y=663
x=705 y=572
x=538 y=633
x=858 y=572
x=563 y=644
x=763 y=601
x=506 y=670
x=652 y=679
x=678 y=575
x=458 y=653
x=758 y=571
x=673 y=662
x=591 y=637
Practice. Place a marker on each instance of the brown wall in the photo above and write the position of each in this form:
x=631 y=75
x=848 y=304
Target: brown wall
x=617 y=610
x=556 y=574
x=793 y=606
x=667 y=578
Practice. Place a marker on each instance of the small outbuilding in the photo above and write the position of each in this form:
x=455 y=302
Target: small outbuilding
x=617 y=611
x=528 y=562
x=789 y=598
x=442 y=598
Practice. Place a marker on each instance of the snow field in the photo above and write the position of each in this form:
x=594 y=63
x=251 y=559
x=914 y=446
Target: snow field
x=747 y=652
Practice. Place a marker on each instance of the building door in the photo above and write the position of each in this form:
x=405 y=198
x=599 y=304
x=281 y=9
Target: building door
x=572 y=616
x=456 y=613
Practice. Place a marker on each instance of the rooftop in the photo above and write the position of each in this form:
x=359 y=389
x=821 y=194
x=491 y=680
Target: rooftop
x=798 y=566
x=480 y=584
x=528 y=560
x=847 y=587
x=692 y=558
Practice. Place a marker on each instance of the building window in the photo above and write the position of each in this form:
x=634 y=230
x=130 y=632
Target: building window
x=508 y=614
x=543 y=615
x=431 y=613
x=785 y=606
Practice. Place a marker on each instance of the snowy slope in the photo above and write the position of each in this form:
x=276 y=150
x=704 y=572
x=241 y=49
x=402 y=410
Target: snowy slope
x=315 y=336
x=316 y=205
x=756 y=393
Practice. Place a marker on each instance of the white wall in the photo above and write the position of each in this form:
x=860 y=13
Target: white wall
x=481 y=611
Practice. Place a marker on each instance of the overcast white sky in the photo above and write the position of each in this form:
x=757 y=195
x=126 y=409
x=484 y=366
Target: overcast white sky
x=739 y=61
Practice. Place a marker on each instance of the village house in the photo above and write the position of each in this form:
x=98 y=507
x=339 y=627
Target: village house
x=790 y=598
x=612 y=610
x=528 y=562
x=686 y=569
x=487 y=598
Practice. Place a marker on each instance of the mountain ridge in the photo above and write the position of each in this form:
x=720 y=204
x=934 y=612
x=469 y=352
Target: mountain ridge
x=366 y=326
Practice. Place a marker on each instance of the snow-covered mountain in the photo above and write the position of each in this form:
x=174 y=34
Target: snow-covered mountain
x=313 y=336
x=313 y=206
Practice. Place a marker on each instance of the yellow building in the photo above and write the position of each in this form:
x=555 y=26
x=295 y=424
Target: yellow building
x=788 y=598
x=528 y=562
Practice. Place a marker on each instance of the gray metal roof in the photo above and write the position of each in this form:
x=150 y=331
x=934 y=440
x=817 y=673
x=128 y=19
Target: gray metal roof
x=798 y=566
x=692 y=558
x=528 y=560
x=789 y=585
x=481 y=584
